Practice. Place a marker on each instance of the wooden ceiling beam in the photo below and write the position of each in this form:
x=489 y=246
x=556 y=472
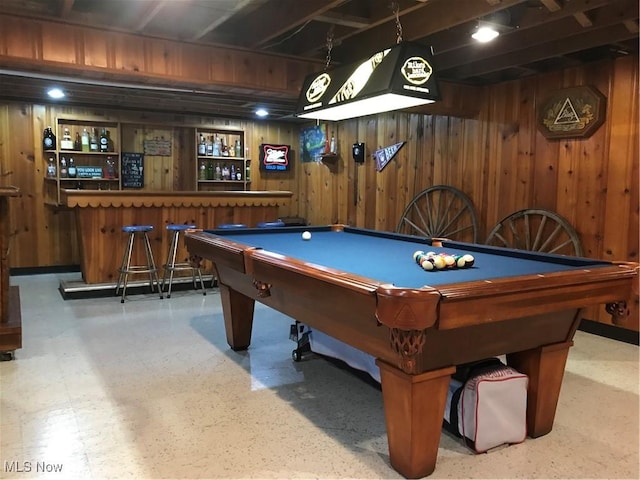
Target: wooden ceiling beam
x=552 y=48
x=551 y=5
x=350 y=21
x=419 y=24
x=148 y=14
x=237 y=6
x=526 y=36
x=583 y=20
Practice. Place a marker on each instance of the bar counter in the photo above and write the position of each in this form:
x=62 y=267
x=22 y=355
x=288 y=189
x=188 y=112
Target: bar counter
x=101 y=214
x=10 y=316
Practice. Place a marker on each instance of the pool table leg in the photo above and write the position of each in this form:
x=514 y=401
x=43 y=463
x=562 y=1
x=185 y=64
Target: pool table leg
x=414 y=409
x=238 y=317
x=545 y=368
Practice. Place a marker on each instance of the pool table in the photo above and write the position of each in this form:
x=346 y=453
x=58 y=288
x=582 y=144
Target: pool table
x=364 y=288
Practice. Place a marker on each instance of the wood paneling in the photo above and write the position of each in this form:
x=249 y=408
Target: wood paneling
x=498 y=158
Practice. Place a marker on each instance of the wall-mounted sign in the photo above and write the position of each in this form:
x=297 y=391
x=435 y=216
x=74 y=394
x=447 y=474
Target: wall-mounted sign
x=572 y=112
x=313 y=143
x=384 y=155
x=157 y=147
x=274 y=158
x=132 y=170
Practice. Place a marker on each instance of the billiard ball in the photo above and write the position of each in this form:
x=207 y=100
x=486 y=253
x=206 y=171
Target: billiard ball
x=416 y=253
x=449 y=261
x=468 y=260
x=306 y=235
x=427 y=264
x=438 y=262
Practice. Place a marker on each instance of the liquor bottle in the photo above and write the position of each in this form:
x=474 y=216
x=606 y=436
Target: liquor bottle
x=202 y=146
x=104 y=141
x=202 y=174
x=210 y=147
x=224 y=149
x=247 y=173
x=210 y=170
x=66 y=143
x=63 y=167
x=51 y=168
x=332 y=145
x=225 y=172
x=215 y=146
x=77 y=144
x=48 y=139
x=110 y=146
x=85 y=140
x=238 y=174
x=238 y=149
x=218 y=172
x=72 y=172
x=93 y=142
x=233 y=172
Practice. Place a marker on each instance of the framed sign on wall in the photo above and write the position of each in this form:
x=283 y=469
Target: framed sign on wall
x=572 y=112
x=274 y=157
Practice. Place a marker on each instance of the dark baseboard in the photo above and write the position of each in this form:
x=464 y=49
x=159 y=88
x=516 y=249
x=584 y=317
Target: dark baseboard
x=43 y=270
x=610 y=331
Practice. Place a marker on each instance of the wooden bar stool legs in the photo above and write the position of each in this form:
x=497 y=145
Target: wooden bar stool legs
x=127 y=269
x=171 y=266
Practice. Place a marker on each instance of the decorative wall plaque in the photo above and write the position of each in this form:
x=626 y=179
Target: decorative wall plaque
x=572 y=112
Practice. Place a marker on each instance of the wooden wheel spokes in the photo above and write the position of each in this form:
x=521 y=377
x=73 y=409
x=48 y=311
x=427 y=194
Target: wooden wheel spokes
x=440 y=211
x=536 y=230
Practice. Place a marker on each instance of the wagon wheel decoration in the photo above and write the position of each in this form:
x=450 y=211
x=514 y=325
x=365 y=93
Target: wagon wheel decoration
x=440 y=211
x=536 y=230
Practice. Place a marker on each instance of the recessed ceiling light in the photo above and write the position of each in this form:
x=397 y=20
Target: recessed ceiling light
x=55 y=93
x=485 y=34
x=261 y=112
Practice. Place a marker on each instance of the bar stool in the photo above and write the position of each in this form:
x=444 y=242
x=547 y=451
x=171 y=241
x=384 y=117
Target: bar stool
x=274 y=224
x=127 y=269
x=171 y=265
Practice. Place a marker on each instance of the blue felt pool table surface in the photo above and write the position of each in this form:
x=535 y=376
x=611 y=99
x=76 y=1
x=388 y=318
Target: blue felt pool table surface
x=388 y=258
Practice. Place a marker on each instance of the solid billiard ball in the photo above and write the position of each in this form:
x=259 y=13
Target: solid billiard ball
x=306 y=235
x=449 y=260
x=468 y=260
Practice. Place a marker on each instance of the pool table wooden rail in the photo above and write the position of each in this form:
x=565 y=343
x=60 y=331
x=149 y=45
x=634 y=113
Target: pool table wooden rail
x=418 y=336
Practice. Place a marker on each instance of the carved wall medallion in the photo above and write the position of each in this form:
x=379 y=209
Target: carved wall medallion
x=572 y=112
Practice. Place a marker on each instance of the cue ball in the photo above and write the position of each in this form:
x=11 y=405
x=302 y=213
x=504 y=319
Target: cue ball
x=306 y=235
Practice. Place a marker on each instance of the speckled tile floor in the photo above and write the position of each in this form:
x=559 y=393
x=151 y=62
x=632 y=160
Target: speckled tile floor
x=149 y=389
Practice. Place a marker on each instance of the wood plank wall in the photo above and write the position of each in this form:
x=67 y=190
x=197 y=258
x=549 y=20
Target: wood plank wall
x=499 y=159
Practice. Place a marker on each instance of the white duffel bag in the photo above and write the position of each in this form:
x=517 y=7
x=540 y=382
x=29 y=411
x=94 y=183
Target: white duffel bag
x=487 y=405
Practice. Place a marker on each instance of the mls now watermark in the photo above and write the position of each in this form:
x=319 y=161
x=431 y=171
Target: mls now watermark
x=27 y=467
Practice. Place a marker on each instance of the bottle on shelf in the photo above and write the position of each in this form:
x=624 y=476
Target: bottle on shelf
x=210 y=147
x=225 y=172
x=48 y=139
x=111 y=168
x=66 y=143
x=247 y=172
x=210 y=170
x=232 y=172
x=77 y=144
x=51 y=168
x=110 y=145
x=104 y=141
x=238 y=148
x=202 y=171
x=218 y=172
x=202 y=146
x=215 y=146
x=332 y=145
x=224 y=149
x=63 y=167
x=93 y=141
x=85 y=140
x=238 y=173
x=71 y=169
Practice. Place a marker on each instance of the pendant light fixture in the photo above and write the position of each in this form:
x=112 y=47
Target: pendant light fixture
x=395 y=78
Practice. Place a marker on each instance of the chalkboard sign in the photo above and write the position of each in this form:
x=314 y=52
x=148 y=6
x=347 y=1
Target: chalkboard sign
x=132 y=170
